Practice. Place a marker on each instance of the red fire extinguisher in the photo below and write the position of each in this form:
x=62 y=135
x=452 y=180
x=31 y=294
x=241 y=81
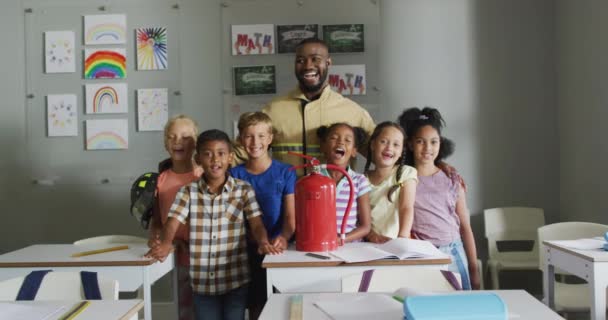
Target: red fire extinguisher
x=315 y=201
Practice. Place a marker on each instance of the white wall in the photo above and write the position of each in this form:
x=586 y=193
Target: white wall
x=582 y=107
x=488 y=66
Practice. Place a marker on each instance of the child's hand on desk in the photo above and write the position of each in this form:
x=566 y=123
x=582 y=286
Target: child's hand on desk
x=154 y=240
x=376 y=238
x=267 y=248
x=159 y=252
x=340 y=241
x=280 y=243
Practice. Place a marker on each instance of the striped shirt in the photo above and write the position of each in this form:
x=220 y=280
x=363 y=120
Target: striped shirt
x=362 y=187
x=218 y=247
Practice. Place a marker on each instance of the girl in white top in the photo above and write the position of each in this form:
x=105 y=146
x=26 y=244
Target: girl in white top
x=393 y=184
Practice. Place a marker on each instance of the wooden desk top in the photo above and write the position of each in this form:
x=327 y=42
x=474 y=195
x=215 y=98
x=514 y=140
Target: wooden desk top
x=59 y=255
x=595 y=255
x=294 y=259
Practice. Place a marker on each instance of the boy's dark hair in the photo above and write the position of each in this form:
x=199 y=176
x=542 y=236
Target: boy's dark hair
x=358 y=132
x=212 y=135
x=400 y=162
x=413 y=119
x=312 y=40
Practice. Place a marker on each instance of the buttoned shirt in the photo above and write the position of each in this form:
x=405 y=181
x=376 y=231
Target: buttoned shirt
x=218 y=247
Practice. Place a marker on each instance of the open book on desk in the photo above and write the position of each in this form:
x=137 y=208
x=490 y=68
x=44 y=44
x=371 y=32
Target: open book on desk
x=399 y=248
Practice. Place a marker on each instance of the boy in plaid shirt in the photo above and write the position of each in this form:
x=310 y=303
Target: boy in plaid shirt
x=216 y=207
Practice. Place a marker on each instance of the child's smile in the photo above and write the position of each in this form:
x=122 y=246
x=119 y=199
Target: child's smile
x=340 y=146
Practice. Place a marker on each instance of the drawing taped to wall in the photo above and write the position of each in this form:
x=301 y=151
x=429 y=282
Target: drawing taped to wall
x=59 y=52
x=151 y=48
x=107 y=134
x=105 y=29
x=348 y=79
x=105 y=64
x=254 y=80
x=288 y=36
x=252 y=39
x=152 y=109
x=62 y=115
x=344 y=37
x=106 y=98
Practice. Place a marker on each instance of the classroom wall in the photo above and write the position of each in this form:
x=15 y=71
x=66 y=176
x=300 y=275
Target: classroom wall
x=581 y=99
x=487 y=65
x=75 y=208
x=516 y=80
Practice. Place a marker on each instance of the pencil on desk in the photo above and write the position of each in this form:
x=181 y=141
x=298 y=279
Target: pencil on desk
x=72 y=314
x=88 y=253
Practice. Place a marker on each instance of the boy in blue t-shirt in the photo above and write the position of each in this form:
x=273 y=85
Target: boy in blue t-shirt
x=274 y=185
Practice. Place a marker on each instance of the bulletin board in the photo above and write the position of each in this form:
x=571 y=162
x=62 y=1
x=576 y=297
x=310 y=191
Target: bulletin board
x=66 y=159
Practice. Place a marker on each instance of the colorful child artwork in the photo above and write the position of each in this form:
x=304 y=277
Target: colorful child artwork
x=59 y=52
x=105 y=29
x=252 y=39
x=348 y=80
x=254 y=80
x=107 y=134
x=62 y=115
x=344 y=37
x=152 y=109
x=288 y=36
x=106 y=98
x=105 y=64
x=151 y=48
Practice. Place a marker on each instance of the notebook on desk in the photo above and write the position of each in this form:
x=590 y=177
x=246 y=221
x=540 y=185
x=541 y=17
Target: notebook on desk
x=399 y=248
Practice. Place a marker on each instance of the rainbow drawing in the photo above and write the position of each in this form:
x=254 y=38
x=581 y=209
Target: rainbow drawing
x=105 y=29
x=106 y=98
x=152 y=48
x=107 y=134
x=105 y=64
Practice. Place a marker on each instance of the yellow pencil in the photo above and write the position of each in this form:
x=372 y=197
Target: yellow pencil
x=76 y=310
x=88 y=253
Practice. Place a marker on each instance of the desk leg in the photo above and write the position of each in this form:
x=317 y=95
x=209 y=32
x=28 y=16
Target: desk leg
x=268 y=283
x=549 y=285
x=597 y=284
x=147 y=295
x=175 y=289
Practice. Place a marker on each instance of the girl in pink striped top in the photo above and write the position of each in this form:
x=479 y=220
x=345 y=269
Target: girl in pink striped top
x=441 y=215
x=339 y=144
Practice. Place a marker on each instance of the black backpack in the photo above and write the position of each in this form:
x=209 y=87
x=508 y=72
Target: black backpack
x=143 y=197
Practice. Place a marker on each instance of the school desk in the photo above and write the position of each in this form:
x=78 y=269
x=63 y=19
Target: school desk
x=520 y=304
x=589 y=265
x=129 y=267
x=97 y=310
x=293 y=271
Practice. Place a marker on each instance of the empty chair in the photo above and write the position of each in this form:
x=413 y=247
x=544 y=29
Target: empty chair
x=59 y=286
x=569 y=297
x=109 y=239
x=516 y=225
x=389 y=280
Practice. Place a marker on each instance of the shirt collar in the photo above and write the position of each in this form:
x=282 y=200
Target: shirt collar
x=228 y=185
x=350 y=171
x=299 y=95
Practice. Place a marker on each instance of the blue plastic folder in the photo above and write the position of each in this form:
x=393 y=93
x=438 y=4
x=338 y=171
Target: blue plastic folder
x=469 y=306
